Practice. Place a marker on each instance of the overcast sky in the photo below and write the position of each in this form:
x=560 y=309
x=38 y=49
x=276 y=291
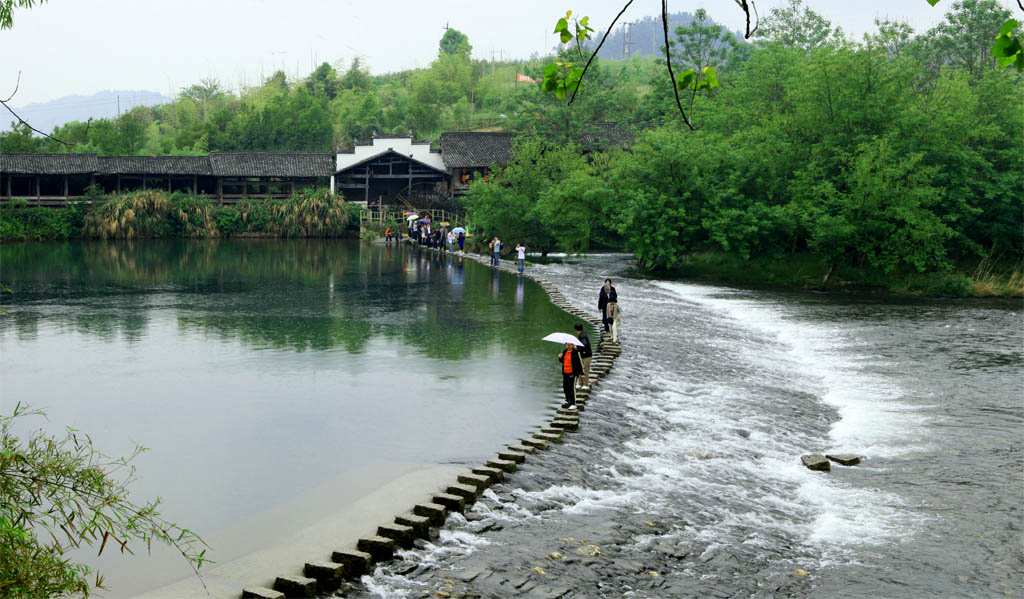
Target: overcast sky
x=68 y=47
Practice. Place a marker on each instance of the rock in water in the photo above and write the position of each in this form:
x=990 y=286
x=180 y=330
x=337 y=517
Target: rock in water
x=816 y=462
x=846 y=459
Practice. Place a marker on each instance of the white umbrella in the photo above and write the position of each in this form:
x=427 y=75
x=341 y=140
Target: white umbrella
x=563 y=338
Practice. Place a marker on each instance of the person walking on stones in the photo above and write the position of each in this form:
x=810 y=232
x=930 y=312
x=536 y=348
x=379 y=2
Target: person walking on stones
x=586 y=353
x=607 y=296
x=497 y=251
x=451 y=242
x=387 y=236
x=615 y=315
x=462 y=241
x=572 y=367
x=520 y=257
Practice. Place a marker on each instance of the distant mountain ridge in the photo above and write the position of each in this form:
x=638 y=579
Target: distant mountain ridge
x=646 y=36
x=47 y=115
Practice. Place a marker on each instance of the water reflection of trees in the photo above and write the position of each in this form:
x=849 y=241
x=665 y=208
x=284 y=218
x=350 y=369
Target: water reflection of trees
x=287 y=294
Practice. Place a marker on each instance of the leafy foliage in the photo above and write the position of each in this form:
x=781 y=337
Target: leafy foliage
x=64 y=489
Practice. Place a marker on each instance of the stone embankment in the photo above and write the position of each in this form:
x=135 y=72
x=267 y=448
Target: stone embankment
x=325 y=574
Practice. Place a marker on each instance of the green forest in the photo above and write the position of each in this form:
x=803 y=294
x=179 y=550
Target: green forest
x=892 y=160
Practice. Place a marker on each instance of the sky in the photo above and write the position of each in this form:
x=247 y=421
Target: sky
x=69 y=47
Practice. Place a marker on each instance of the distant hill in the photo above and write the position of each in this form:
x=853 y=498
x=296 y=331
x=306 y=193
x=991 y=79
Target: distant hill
x=46 y=115
x=646 y=36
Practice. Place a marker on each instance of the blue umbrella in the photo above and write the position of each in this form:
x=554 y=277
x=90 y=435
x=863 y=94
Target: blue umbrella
x=423 y=220
x=458 y=230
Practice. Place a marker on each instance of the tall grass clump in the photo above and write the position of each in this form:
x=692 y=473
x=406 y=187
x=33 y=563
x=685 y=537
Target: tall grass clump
x=194 y=216
x=989 y=282
x=311 y=213
x=134 y=215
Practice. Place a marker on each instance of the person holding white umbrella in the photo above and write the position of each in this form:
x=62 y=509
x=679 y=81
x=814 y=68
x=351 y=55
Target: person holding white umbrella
x=570 y=364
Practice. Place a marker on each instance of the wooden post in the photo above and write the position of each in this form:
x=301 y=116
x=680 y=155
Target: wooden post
x=143 y=182
x=38 y=190
x=220 y=190
x=366 y=187
x=118 y=183
x=195 y=184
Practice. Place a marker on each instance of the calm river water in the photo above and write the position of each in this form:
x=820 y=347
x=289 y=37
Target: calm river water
x=257 y=371
x=685 y=477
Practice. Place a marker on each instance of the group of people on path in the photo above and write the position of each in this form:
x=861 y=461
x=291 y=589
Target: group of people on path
x=432 y=238
x=495 y=246
x=575 y=360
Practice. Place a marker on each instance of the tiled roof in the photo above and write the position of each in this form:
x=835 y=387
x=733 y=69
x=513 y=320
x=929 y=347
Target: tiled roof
x=475 y=149
x=48 y=164
x=155 y=165
x=272 y=164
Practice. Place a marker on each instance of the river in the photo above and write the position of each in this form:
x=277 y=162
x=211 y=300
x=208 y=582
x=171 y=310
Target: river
x=274 y=382
x=685 y=477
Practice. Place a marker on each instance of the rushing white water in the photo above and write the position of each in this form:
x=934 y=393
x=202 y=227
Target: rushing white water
x=691 y=448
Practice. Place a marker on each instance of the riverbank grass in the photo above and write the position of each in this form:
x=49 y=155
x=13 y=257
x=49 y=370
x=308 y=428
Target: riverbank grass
x=987 y=278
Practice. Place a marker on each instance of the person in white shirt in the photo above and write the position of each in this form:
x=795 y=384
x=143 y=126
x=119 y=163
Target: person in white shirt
x=520 y=257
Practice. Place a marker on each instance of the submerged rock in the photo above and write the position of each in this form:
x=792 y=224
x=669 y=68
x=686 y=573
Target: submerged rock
x=846 y=459
x=816 y=461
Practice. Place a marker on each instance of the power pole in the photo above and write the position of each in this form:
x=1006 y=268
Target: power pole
x=627 y=40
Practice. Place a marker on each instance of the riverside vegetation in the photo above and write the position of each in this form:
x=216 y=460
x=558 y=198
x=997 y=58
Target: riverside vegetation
x=894 y=161
x=157 y=214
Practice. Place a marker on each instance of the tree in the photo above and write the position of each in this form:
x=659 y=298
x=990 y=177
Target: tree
x=703 y=44
x=64 y=489
x=454 y=43
x=798 y=26
x=965 y=37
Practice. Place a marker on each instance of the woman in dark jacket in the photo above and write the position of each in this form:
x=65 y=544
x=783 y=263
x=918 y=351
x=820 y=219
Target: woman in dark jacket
x=571 y=366
x=607 y=296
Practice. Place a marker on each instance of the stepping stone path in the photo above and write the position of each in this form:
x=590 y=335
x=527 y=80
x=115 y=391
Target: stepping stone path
x=324 y=577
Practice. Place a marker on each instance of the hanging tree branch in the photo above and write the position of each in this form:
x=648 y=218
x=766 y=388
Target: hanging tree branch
x=668 y=62
x=596 y=50
x=747 y=6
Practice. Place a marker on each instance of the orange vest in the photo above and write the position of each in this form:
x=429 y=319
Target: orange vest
x=567 y=362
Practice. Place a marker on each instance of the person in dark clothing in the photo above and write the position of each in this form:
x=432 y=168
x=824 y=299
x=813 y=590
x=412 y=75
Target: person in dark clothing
x=462 y=241
x=572 y=367
x=586 y=353
x=607 y=296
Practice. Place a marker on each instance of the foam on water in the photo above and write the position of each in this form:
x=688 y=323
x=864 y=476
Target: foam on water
x=873 y=421
x=819 y=360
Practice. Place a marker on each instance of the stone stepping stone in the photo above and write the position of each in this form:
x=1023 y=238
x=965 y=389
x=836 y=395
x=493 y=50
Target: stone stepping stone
x=522 y=448
x=296 y=586
x=550 y=437
x=476 y=480
x=435 y=512
x=420 y=525
x=399 y=533
x=328 y=575
x=469 y=493
x=380 y=548
x=493 y=474
x=503 y=464
x=453 y=503
x=512 y=456
x=354 y=563
x=535 y=442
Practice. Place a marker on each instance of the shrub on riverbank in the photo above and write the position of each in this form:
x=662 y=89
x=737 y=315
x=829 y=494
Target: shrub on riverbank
x=34 y=224
x=156 y=214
